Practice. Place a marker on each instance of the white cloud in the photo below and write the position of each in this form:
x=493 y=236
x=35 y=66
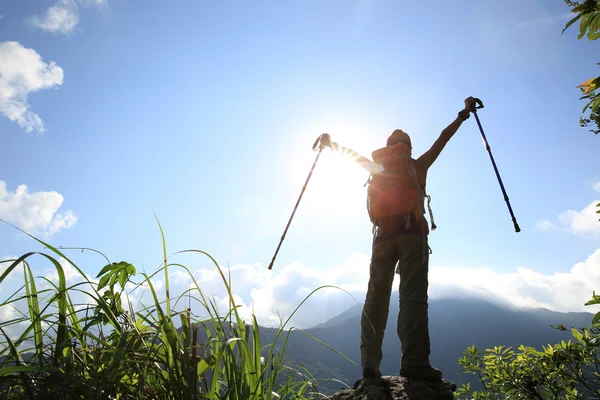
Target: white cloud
x=584 y=222
x=545 y=225
x=273 y=295
x=37 y=212
x=71 y=274
x=90 y=3
x=22 y=71
x=62 y=17
x=566 y=291
x=545 y=21
x=6 y=262
x=4 y=265
x=62 y=221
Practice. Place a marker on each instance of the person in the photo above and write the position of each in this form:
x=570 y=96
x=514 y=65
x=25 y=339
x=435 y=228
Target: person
x=400 y=245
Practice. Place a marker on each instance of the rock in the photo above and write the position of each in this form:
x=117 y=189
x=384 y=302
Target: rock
x=398 y=388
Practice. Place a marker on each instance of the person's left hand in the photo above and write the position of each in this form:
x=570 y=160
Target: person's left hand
x=471 y=103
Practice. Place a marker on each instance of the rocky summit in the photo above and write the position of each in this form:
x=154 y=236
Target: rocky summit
x=397 y=388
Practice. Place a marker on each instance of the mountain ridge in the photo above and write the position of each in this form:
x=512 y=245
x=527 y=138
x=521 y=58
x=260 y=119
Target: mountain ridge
x=455 y=324
x=356 y=310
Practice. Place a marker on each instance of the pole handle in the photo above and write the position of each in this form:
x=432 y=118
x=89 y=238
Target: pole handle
x=478 y=105
x=324 y=140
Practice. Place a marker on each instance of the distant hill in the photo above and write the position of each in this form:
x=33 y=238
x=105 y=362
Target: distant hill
x=454 y=324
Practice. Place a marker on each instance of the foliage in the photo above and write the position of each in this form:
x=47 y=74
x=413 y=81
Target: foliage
x=588 y=14
x=566 y=370
x=105 y=349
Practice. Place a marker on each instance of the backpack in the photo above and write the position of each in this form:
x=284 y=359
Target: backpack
x=396 y=189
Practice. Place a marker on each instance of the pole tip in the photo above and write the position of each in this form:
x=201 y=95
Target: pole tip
x=517 y=229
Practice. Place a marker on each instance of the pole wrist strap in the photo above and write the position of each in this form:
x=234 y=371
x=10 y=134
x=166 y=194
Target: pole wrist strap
x=464 y=114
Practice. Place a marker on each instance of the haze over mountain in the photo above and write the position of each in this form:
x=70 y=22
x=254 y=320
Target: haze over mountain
x=455 y=324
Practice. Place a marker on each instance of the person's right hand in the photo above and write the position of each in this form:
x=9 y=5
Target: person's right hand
x=326 y=140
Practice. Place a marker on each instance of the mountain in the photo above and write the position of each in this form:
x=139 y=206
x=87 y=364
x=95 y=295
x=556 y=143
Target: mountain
x=454 y=325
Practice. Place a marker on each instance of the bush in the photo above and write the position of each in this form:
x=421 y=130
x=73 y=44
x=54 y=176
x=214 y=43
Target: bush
x=567 y=370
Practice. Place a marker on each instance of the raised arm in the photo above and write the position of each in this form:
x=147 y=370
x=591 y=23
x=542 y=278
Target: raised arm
x=363 y=161
x=429 y=157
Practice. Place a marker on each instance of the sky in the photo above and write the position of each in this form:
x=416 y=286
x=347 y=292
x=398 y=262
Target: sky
x=204 y=113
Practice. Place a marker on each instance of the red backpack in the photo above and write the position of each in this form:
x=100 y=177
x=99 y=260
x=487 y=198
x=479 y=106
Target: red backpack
x=396 y=189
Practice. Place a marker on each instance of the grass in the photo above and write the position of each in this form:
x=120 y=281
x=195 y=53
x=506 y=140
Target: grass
x=103 y=348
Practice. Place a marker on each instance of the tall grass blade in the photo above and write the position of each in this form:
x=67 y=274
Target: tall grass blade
x=166 y=266
x=34 y=311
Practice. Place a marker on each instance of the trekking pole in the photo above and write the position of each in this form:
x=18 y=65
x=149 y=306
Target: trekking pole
x=488 y=148
x=322 y=141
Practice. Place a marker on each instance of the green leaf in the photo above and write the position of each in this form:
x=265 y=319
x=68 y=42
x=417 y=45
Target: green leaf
x=103 y=281
x=115 y=272
x=595 y=300
x=584 y=24
x=560 y=327
x=123 y=278
x=594 y=26
x=596 y=318
x=577 y=334
x=5 y=371
x=595 y=104
x=571 y=22
x=106 y=268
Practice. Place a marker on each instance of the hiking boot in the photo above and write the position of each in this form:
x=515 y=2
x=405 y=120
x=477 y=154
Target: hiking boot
x=421 y=373
x=371 y=377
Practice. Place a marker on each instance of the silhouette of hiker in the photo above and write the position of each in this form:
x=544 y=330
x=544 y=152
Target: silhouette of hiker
x=396 y=207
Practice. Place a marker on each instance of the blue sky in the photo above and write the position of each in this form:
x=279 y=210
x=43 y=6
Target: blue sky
x=205 y=112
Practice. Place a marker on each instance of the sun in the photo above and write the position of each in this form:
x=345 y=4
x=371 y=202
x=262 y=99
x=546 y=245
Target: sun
x=337 y=184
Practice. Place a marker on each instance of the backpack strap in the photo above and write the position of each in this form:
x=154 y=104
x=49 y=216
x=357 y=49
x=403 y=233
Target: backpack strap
x=433 y=225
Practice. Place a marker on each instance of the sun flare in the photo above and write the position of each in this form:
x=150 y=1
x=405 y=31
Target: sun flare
x=337 y=183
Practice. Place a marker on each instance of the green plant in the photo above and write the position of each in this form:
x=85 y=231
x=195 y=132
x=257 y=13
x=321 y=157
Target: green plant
x=104 y=348
x=588 y=14
x=566 y=370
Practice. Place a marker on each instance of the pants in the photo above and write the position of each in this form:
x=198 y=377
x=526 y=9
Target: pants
x=411 y=253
